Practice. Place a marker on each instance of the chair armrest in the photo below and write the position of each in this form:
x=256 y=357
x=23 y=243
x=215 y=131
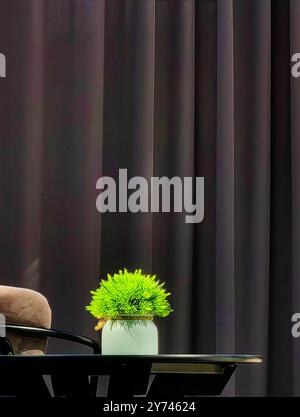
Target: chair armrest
x=57 y=334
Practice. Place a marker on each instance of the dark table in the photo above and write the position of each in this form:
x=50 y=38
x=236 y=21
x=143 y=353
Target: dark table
x=118 y=376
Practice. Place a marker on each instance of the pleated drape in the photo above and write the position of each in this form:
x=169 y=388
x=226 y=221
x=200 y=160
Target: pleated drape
x=295 y=189
x=161 y=88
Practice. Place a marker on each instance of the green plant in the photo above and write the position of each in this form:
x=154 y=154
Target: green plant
x=129 y=294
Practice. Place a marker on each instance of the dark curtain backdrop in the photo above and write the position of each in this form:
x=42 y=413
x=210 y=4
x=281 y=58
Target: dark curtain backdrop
x=165 y=87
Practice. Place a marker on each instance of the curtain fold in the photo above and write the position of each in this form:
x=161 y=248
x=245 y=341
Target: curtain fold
x=174 y=156
x=128 y=125
x=252 y=158
x=295 y=174
x=160 y=88
x=280 y=288
x=72 y=148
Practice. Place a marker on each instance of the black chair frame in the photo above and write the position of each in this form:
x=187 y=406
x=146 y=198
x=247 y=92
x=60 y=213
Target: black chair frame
x=57 y=334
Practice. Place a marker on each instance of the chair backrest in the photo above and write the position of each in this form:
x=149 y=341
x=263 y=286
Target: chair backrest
x=26 y=321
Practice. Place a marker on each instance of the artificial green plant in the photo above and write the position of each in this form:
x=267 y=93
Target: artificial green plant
x=129 y=294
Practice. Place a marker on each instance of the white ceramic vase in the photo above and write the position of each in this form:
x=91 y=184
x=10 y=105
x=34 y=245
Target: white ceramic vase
x=130 y=336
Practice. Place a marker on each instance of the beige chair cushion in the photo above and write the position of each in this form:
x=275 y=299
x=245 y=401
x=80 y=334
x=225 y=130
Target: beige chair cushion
x=27 y=307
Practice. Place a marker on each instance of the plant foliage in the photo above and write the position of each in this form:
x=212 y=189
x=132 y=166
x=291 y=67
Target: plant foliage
x=129 y=293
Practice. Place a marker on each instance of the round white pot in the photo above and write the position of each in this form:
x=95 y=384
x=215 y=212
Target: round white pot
x=129 y=337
